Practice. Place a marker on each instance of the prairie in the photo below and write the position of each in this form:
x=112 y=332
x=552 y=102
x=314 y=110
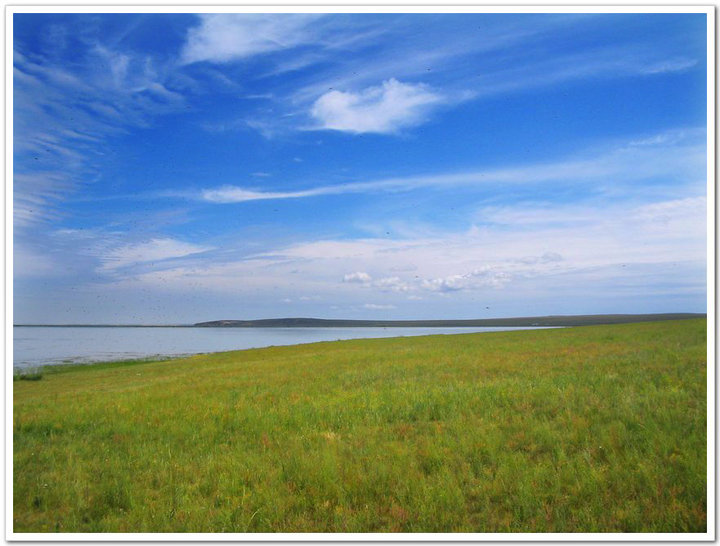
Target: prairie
x=589 y=429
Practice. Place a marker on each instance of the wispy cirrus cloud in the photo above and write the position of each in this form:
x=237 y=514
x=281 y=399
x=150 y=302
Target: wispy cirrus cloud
x=674 y=156
x=440 y=58
x=583 y=214
x=597 y=64
x=457 y=73
x=222 y=38
x=154 y=250
x=99 y=256
x=669 y=65
x=65 y=116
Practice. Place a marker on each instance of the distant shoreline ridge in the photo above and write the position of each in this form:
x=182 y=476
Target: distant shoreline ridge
x=542 y=321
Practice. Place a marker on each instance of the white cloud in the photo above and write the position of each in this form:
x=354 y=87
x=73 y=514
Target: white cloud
x=392 y=284
x=154 y=250
x=493 y=277
x=234 y=194
x=654 y=236
x=379 y=307
x=384 y=109
x=672 y=218
x=34 y=195
x=222 y=38
x=621 y=256
x=664 y=232
x=30 y=263
x=359 y=277
x=547 y=257
x=673 y=212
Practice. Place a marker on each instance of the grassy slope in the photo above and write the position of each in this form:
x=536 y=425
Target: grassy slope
x=591 y=429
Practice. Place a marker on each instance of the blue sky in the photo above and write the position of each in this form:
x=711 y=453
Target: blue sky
x=173 y=168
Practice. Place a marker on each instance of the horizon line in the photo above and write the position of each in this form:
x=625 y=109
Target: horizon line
x=196 y=324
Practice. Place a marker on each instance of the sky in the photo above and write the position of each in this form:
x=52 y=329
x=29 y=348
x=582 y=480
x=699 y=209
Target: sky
x=178 y=168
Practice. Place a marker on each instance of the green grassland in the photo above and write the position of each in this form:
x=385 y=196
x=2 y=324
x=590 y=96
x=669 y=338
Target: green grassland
x=592 y=429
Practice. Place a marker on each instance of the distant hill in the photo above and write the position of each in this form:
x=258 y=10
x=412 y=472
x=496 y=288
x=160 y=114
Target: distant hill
x=567 y=320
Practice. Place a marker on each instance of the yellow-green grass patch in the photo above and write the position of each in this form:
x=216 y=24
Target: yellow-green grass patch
x=592 y=429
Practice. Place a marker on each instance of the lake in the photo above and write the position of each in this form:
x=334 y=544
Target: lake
x=36 y=346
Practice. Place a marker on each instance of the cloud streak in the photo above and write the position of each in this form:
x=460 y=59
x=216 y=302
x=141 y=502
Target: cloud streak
x=379 y=306
x=224 y=38
x=66 y=115
x=154 y=250
x=678 y=156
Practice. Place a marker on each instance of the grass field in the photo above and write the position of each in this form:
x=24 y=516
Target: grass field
x=592 y=429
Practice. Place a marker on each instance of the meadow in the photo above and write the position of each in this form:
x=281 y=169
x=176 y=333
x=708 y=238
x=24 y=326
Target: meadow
x=589 y=429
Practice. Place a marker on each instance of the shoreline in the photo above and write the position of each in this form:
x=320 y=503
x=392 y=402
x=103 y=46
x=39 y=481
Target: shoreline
x=80 y=363
x=56 y=365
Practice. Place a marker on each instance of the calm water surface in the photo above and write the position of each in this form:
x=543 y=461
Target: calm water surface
x=35 y=346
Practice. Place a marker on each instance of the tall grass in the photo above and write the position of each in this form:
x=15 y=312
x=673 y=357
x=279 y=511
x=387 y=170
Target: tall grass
x=594 y=429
